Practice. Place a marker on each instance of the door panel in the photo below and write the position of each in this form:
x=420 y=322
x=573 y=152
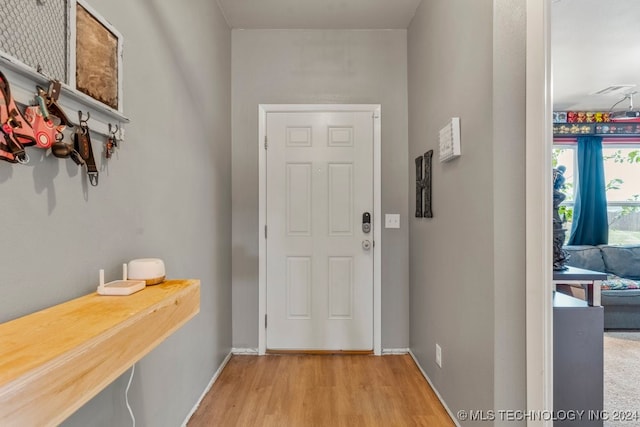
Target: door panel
x=340 y=287
x=299 y=287
x=319 y=276
x=298 y=199
x=340 y=199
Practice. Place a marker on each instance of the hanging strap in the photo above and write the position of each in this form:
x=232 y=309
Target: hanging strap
x=22 y=130
x=12 y=150
x=5 y=151
x=14 y=129
x=50 y=100
x=82 y=144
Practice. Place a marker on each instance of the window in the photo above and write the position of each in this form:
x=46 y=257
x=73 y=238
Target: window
x=622 y=180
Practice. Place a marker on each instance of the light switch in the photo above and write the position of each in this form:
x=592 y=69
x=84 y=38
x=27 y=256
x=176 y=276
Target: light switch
x=392 y=221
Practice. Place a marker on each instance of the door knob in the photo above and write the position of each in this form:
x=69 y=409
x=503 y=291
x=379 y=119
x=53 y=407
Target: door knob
x=366 y=245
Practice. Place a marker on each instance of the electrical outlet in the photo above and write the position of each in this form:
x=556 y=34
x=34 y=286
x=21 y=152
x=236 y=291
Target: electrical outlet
x=438 y=355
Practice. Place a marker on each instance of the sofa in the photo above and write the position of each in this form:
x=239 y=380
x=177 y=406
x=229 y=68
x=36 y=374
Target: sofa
x=621 y=291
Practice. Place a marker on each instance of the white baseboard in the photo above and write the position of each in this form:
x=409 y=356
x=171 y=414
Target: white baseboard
x=424 y=374
x=391 y=351
x=254 y=351
x=245 y=351
x=206 y=390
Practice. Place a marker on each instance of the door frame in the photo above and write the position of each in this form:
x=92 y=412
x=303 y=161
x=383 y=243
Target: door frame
x=538 y=188
x=375 y=110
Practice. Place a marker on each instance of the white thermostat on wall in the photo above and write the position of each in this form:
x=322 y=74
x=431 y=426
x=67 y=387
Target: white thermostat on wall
x=450 y=140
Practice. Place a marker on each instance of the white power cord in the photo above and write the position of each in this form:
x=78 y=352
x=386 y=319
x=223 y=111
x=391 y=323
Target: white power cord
x=126 y=395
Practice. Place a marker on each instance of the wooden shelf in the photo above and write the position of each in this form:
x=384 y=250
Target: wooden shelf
x=55 y=360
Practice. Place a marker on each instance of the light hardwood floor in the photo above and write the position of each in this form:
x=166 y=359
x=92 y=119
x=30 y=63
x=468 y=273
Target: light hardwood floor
x=320 y=390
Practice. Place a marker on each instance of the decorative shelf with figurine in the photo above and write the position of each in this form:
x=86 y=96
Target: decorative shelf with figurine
x=568 y=125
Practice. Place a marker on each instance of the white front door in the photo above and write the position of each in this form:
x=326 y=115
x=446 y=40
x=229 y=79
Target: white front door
x=319 y=184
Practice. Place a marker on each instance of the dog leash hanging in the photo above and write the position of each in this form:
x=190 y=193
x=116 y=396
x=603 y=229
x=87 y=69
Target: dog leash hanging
x=48 y=121
x=50 y=98
x=112 y=141
x=15 y=130
x=82 y=144
x=46 y=127
x=10 y=149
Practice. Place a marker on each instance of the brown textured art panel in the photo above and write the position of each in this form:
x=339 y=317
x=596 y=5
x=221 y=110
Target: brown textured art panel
x=96 y=59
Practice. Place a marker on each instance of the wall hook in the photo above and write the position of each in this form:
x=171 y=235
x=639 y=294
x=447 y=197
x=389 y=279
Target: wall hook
x=83 y=122
x=113 y=134
x=113 y=130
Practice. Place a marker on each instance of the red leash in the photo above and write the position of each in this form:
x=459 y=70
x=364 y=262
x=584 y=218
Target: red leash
x=15 y=131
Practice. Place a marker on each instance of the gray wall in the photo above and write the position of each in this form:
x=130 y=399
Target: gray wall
x=509 y=84
x=467 y=282
x=166 y=194
x=307 y=67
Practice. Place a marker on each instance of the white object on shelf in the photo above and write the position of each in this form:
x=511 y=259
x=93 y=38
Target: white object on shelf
x=151 y=270
x=450 y=140
x=120 y=287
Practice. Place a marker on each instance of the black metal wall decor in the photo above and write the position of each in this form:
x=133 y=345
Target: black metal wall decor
x=423 y=185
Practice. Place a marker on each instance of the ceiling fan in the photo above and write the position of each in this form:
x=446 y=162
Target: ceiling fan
x=628 y=114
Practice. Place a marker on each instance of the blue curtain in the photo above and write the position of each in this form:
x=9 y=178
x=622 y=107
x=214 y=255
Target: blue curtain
x=590 y=226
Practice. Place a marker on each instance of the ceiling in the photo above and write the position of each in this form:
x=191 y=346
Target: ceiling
x=319 y=14
x=595 y=44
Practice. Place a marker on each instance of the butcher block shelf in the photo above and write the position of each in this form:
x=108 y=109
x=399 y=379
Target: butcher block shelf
x=55 y=360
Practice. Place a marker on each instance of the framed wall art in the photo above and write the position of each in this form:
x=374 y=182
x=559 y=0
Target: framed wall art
x=97 y=57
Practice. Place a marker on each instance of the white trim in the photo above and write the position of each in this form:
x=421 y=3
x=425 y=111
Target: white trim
x=262 y=223
x=375 y=109
x=71 y=43
x=394 y=351
x=206 y=390
x=426 y=377
x=244 y=351
x=377 y=230
x=539 y=313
